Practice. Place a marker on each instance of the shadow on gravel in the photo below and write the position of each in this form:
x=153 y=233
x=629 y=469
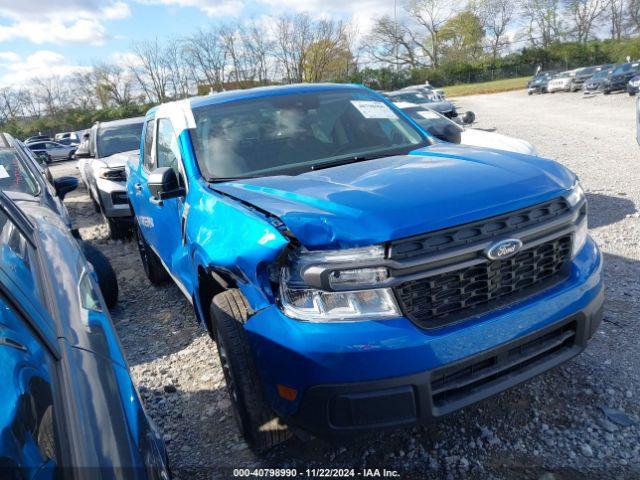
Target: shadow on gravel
x=606 y=209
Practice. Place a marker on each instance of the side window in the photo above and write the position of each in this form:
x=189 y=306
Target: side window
x=167 y=153
x=32 y=438
x=148 y=145
x=16 y=255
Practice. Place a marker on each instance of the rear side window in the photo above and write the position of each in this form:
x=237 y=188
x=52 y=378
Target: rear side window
x=14 y=175
x=17 y=257
x=148 y=145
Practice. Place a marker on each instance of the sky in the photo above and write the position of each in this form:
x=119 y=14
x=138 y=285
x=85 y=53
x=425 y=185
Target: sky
x=39 y=38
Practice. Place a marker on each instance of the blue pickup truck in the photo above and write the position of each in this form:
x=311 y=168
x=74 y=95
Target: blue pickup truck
x=355 y=272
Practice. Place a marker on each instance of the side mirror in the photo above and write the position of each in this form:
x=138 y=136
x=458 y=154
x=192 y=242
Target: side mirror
x=64 y=185
x=43 y=158
x=468 y=118
x=163 y=185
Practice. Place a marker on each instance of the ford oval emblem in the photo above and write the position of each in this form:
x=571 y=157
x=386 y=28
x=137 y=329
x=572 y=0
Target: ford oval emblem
x=503 y=249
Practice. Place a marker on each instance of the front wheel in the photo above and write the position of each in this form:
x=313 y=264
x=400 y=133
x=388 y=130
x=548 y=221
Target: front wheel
x=117 y=228
x=632 y=94
x=258 y=424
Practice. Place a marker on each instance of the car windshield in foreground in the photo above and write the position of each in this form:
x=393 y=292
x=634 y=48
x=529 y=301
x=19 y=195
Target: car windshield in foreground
x=14 y=175
x=602 y=74
x=291 y=134
x=118 y=139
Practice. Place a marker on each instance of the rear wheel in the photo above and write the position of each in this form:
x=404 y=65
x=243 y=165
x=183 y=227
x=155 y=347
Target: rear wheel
x=153 y=267
x=107 y=279
x=258 y=424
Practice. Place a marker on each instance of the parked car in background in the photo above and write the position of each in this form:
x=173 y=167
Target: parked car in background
x=27 y=180
x=102 y=169
x=619 y=77
x=633 y=87
x=55 y=150
x=355 y=274
x=67 y=138
x=594 y=84
x=449 y=131
x=427 y=90
x=445 y=107
x=538 y=84
x=38 y=138
x=69 y=404
x=561 y=82
x=584 y=74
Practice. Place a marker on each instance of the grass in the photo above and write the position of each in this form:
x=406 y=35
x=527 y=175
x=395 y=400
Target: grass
x=496 y=86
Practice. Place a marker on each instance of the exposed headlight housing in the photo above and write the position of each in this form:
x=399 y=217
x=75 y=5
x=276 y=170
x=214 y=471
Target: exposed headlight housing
x=116 y=174
x=351 y=278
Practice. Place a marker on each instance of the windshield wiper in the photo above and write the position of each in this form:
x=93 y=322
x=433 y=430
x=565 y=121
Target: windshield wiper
x=222 y=179
x=348 y=160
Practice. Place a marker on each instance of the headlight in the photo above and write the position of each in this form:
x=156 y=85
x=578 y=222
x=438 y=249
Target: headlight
x=575 y=196
x=352 y=277
x=117 y=174
x=580 y=237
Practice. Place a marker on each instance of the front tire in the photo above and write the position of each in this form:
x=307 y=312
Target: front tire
x=107 y=279
x=258 y=424
x=117 y=229
x=153 y=267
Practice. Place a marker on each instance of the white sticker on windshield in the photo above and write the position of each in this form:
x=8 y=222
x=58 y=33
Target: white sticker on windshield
x=373 y=109
x=428 y=114
x=3 y=172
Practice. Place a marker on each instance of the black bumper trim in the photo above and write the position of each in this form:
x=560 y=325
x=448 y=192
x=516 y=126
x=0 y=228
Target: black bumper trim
x=339 y=409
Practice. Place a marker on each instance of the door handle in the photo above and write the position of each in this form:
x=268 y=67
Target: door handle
x=137 y=186
x=156 y=201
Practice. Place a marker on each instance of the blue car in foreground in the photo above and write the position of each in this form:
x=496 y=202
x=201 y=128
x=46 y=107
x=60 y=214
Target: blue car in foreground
x=356 y=273
x=69 y=407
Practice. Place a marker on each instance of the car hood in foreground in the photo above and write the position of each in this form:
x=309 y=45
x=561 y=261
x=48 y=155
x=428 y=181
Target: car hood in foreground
x=394 y=197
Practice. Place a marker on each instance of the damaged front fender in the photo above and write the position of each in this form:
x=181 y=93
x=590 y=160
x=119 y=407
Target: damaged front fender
x=228 y=236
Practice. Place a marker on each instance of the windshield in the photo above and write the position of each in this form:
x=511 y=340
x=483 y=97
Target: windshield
x=14 y=175
x=118 y=139
x=289 y=134
x=601 y=74
x=627 y=67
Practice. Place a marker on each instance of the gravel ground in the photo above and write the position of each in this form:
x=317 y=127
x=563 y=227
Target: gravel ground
x=552 y=427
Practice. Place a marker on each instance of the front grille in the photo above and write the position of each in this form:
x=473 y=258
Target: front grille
x=436 y=300
x=458 y=382
x=460 y=236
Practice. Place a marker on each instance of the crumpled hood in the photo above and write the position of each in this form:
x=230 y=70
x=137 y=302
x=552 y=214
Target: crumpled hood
x=394 y=197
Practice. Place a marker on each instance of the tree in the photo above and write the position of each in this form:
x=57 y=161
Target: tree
x=584 y=15
x=393 y=44
x=544 y=21
x=462 y=37
x=151 y=70
x=431 y=15
x=206 y=55
x=113 y=85
x=496 y=17
x=615 y=14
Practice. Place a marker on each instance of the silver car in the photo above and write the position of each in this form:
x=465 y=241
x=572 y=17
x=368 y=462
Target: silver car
x=102 y=170
x=53 y=150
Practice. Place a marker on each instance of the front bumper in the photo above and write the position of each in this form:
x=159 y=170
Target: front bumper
x=113 y=198
x=365 y=375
